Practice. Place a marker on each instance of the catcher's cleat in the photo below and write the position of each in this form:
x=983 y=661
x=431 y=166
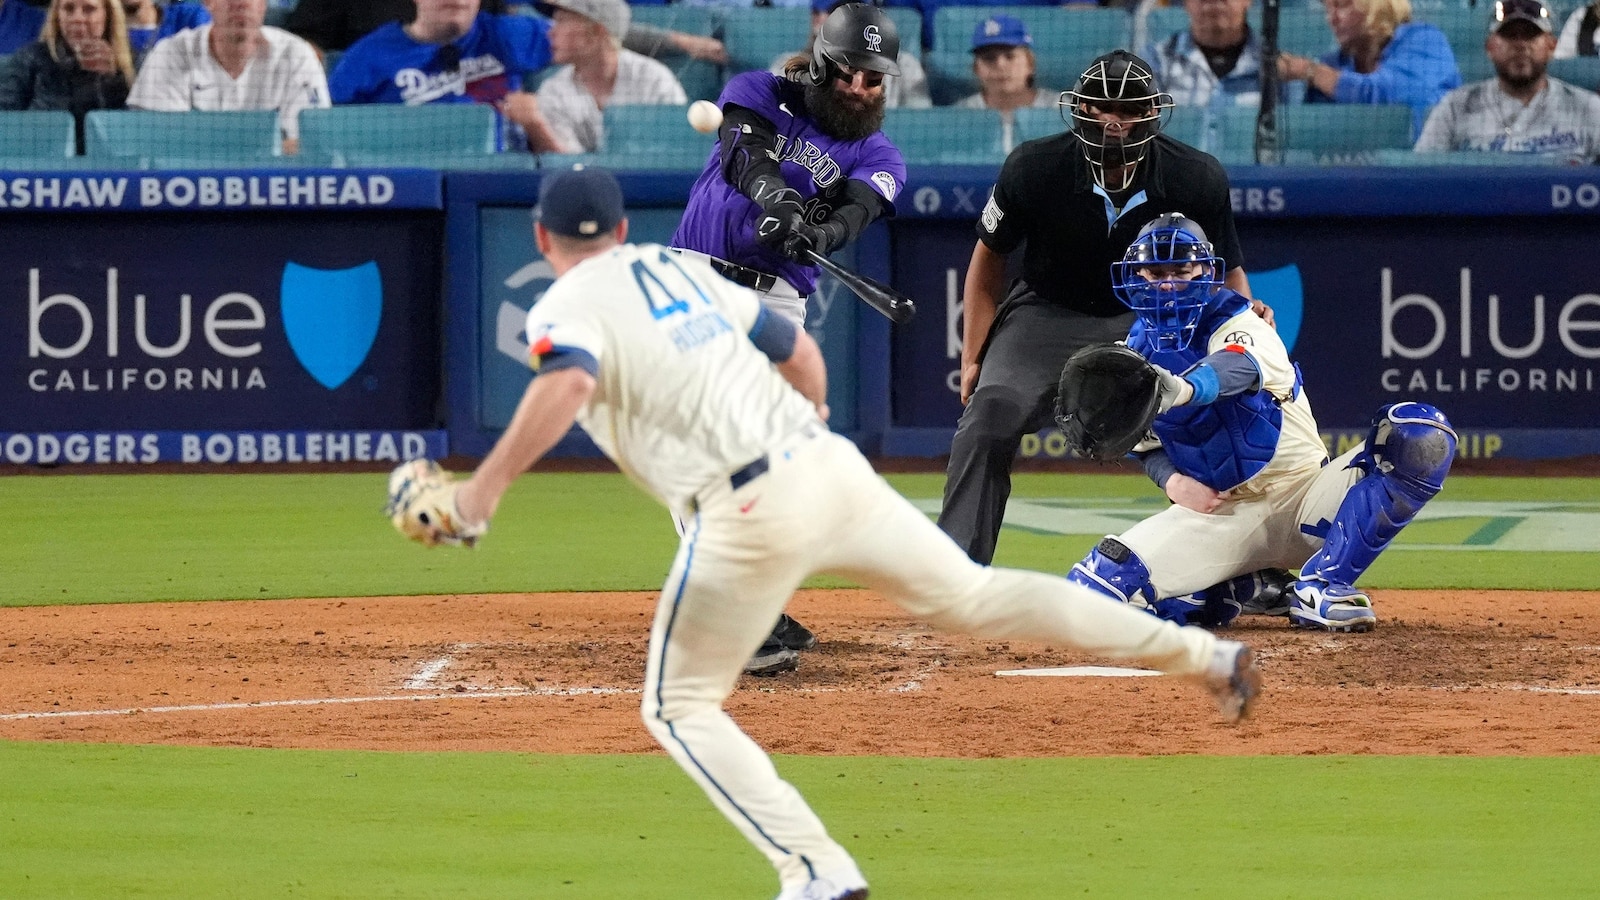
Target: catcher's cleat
x=1330 y=607
x=792 y=635
x=1271 y=591
x=1233 y=679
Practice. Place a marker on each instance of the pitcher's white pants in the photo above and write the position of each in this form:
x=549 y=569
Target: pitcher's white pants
x=821 y=508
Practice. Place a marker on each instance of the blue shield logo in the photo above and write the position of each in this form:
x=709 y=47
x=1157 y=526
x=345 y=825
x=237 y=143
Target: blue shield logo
x=331 y=318
x=1280 y=289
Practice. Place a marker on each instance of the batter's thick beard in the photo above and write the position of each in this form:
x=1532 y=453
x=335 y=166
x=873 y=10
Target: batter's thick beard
x=839 y=120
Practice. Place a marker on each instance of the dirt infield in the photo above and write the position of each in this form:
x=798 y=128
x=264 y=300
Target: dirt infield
x=1502 y=672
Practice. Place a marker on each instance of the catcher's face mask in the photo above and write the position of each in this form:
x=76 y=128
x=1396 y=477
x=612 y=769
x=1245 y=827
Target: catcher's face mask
x=1168 y=276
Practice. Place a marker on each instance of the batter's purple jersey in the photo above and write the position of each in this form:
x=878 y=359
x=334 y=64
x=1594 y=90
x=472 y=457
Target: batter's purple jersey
x=721 y=222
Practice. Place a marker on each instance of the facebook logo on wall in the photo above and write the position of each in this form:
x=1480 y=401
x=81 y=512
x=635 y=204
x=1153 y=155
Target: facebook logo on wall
x=247 y=322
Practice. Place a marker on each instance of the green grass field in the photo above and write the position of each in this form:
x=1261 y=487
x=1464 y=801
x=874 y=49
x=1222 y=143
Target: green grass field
x=117 y=821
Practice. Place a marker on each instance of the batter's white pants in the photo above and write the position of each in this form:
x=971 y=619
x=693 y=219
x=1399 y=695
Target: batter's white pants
x=821 y=508
x=1187 y=551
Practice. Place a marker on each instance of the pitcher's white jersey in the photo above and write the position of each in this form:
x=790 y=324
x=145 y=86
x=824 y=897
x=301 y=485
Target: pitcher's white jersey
x=683 y=396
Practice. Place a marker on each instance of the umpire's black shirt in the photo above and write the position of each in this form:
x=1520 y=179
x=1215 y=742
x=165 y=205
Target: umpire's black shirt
x=1046 y=196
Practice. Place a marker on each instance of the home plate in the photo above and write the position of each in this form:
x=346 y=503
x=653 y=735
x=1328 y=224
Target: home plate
x=1083 y=672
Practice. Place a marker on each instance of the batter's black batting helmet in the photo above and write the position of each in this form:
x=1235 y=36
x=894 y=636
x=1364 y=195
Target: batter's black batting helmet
x=1115 y=110
x=856 y=36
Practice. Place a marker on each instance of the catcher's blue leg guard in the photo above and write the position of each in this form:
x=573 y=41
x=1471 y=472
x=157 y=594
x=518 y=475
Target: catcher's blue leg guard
x=1407 y=457
x=1113 y=569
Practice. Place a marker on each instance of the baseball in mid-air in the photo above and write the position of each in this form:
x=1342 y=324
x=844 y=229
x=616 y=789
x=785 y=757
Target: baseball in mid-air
x=704 y=116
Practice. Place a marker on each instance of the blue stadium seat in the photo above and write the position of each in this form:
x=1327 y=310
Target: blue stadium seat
x=1064 y=42
x=142 y=138
x=908 y=23
x=946 y=135
x=1581 y=71
x=1038 y=123
x=1343 y=133
x=653 y=137
x=1395 y=157
x=1465 y=28
x=757 y=35
x=1159 y=24
x=396 y=135
x=1302 y=30
x=701 y=80
x=29 y=135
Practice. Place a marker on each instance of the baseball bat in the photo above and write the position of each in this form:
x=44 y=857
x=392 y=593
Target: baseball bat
x=895 y=306
x=1268 y=143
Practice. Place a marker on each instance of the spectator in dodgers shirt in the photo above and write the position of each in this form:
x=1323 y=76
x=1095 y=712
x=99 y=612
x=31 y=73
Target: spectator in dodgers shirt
x=236 y=62
x=451 y=53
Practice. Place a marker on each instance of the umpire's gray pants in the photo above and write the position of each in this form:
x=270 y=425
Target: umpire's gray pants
x=1015 y=395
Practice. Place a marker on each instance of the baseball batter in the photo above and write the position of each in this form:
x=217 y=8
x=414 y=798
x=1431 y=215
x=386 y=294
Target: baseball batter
x=1237 y=451
x=800 y=163
x=714 y=406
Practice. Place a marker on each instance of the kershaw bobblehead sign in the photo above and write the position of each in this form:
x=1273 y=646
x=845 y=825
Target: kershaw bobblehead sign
x=254 y=325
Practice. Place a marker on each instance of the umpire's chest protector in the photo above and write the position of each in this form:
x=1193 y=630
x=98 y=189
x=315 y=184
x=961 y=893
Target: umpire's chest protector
x=1223 y=444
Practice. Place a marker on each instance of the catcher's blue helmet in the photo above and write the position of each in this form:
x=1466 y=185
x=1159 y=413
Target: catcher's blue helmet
x=1170 y=307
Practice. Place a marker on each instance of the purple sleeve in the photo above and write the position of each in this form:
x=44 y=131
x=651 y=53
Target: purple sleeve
x=756 y=91
x=882 y=167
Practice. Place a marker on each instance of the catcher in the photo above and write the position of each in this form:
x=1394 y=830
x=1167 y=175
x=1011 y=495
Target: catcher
x=1231 y=440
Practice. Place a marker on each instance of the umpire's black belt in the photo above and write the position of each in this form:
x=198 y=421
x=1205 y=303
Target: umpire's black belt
x=754 y=279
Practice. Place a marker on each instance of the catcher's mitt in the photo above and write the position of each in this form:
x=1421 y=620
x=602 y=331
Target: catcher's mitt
x=1107 y=398
x=422 y=506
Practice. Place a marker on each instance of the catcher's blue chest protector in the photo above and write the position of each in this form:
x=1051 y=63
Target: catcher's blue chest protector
x=1225 y=443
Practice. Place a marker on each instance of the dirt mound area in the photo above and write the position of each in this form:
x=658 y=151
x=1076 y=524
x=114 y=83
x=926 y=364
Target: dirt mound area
x=1502 y=672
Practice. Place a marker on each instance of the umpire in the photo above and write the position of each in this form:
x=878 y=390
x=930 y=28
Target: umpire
x=1076 y=200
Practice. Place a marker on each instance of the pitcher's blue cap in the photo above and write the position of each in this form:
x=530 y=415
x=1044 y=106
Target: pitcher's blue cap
x=1001 y=31
x=580 y=202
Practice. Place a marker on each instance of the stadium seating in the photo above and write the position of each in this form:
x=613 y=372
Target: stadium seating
x=396 y=135
x=1064 y=42
x=701 y=80
x=32 y=136
x=1343 y=133
x=946 y=135
x=1582 y=71
x=755 y=36
x=652 y=137
x=1038 y=123
x=177 y=139
x=1466 y=28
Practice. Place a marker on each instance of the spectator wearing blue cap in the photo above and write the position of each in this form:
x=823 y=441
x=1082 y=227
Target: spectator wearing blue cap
x=908 y=90
x=1216 y=61
x=1003 y=60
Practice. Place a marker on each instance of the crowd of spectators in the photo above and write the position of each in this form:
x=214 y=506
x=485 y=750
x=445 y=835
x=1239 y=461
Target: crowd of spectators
x=551 y=69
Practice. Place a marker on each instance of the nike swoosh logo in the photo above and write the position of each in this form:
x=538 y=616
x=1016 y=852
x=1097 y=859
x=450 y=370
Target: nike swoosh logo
x=746 y=507
x=785 y=108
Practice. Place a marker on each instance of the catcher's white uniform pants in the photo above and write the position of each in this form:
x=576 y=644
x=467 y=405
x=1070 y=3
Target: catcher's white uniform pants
x=821 y=508
x=1187 y=551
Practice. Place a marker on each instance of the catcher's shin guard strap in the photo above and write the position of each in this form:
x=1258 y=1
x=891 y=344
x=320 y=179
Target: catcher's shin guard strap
x=1113 y=569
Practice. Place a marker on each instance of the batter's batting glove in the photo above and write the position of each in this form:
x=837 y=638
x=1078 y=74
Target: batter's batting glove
x=422 y=506
x=781 y=211
x=824 y=239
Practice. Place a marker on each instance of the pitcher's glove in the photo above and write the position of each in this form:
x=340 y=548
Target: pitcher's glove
x=1107 y=398
x=422 y=506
